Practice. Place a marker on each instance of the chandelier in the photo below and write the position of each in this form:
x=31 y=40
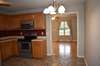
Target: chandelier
x=54 y=8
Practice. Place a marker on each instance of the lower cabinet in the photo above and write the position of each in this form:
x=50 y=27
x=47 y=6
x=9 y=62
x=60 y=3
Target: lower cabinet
x=15 y=48
x=39 y=49
x=0 y=58
x=8 y=49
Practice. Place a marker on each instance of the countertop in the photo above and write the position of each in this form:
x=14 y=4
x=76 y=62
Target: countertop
x=8 y=38
x=40 y=38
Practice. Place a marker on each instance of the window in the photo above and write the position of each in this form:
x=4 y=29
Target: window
x=64 y=29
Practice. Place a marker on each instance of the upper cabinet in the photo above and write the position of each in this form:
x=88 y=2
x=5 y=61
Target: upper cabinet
x=8 y=22
x=39 y=20
x=18 y=19
x=13 y=22
x=2 y=22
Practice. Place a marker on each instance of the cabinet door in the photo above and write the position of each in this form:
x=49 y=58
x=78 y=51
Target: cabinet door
x=12 y=23
x=15 y=48
x=39 y=20
x=0 y=57
x=8 y=49
x=4 y=50
x=38 y=49
x=27 y=17
x=2 y=22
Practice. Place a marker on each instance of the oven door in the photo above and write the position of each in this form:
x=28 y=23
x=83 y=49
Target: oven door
x=25 y=48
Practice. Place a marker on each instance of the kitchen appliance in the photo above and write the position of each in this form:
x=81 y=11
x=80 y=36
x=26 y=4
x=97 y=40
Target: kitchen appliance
x=25 y=43
x=26 y=46
x=27 y=25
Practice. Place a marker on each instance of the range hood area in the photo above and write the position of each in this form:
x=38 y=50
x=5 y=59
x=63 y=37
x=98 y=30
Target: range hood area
x=4 y=3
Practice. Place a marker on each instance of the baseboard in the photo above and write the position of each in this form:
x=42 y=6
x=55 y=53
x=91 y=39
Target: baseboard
x=84 y=59
x=86 y=62
x=80 y=56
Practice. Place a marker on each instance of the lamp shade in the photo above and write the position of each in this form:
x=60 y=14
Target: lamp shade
x=61 y=9
x=46 y=11
x=51 y=8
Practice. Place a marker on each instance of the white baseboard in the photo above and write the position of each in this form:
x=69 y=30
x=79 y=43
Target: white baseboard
x=86 y=62
x=84 y=59
x=80 y=56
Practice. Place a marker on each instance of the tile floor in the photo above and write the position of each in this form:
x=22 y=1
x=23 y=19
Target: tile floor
x=62 y=57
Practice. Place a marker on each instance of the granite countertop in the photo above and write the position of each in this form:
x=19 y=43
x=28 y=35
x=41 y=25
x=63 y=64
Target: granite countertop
x=40 y=38
x=6 y=38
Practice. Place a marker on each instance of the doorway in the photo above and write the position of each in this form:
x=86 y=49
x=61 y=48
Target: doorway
x=64 y=35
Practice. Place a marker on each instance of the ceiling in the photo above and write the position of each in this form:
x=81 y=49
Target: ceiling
x=34 y=4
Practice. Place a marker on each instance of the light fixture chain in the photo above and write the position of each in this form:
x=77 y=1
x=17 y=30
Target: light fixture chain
x=48 y=1
x=61 y=1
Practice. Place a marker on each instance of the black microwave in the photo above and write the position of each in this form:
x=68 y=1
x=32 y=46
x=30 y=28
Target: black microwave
x=27 y=25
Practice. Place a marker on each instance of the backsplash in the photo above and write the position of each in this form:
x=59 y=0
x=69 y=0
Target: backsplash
x=38 y=32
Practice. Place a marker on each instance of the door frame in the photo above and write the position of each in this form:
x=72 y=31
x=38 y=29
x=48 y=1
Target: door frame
x=49 y=33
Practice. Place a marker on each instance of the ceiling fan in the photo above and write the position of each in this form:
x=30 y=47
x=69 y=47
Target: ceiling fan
x=4 y=3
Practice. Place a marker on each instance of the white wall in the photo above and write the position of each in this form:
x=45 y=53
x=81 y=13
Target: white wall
x=92 y=46
x=79 y=9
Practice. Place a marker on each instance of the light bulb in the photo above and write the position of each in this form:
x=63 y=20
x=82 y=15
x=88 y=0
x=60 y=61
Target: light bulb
x=53 y=18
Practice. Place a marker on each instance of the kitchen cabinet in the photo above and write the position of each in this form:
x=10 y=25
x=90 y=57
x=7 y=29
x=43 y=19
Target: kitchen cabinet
x=0 y=59
x=9 y=22
x=8 y=48
x=15 y=48
x=38 y=48
x=39 y=20
x=5 y=53
x=2 y=22
x=13 y=22
x=27 y=17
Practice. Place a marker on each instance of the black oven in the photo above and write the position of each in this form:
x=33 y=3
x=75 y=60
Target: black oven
x=26 y=46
